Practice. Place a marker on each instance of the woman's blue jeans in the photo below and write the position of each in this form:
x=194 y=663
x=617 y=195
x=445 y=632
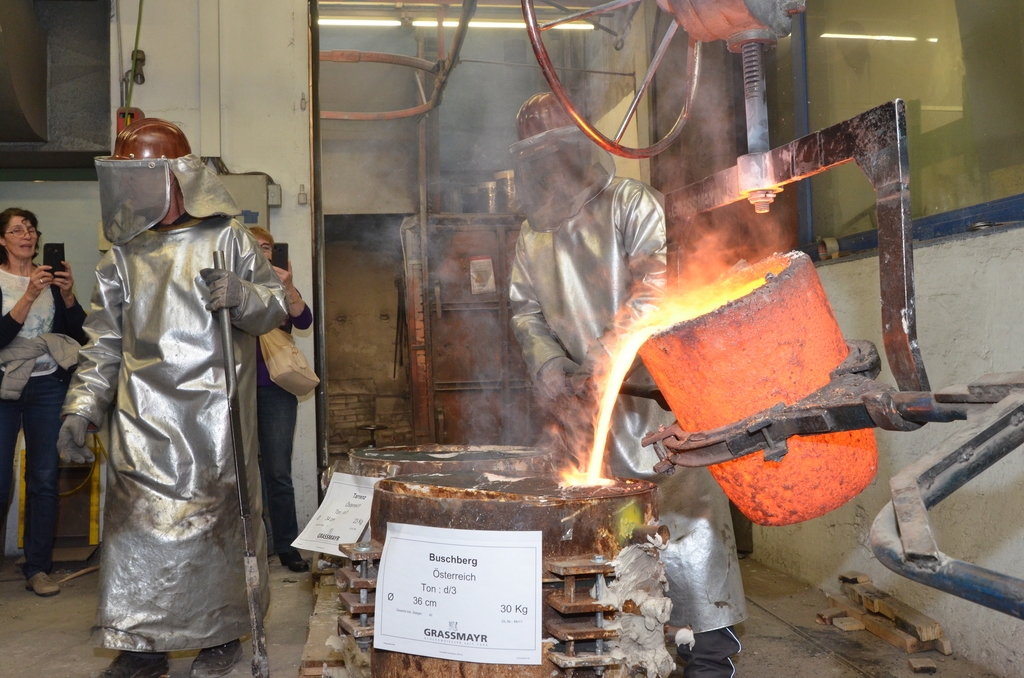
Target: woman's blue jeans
x=275 y=412
x=38 y=412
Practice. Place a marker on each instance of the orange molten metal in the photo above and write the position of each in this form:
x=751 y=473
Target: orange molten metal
x=776 y=344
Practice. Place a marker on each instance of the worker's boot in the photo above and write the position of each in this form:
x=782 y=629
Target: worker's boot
x=136 y=665
x=216 y=661
x=42 y=585
x=294 y=561
x=710 y=655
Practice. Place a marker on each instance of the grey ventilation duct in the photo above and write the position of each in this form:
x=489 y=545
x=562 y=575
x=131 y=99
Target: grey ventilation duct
x=22 y=74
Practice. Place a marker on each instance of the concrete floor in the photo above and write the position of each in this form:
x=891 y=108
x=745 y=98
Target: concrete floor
x=50 y=636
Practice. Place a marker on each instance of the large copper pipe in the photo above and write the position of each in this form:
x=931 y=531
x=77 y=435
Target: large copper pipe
x=775 y=345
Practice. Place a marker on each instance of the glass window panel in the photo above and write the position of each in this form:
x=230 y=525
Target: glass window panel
x=958 y=64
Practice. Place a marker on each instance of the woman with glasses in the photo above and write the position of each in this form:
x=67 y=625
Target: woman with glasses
x=40 y=331
x=276 y=409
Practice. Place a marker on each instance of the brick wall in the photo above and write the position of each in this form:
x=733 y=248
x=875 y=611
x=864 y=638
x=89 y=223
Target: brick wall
x=353 y=403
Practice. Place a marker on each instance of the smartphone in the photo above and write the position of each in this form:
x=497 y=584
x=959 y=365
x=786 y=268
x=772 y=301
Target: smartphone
x=53 y=256
x=279 y=257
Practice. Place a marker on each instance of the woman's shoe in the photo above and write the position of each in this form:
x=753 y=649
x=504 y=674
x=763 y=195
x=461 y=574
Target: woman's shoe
x=294 y=561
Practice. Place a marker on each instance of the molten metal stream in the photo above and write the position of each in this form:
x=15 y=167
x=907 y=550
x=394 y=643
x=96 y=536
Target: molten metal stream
x=672 y=311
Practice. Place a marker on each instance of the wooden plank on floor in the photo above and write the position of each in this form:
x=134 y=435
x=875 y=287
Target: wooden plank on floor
x=848 y=624
x=327 y=602
x=880 y=626
x=316 y=652
x=916 y=623
x=827 y=616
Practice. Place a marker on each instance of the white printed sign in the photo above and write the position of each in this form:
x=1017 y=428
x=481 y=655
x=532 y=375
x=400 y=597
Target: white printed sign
x=481 y=275
x=342 y=515
x=463 y=595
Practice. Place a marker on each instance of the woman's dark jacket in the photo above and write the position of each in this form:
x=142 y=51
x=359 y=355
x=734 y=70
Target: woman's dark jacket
x=66 y=320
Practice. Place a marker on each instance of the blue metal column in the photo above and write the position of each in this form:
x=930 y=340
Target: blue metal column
x=801 y=122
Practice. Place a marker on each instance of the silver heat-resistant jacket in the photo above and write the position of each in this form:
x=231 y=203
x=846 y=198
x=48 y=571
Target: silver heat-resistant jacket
x=171 y=570
x=567 y=287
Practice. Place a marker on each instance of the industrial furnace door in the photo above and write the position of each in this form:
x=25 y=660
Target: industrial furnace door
x=480 y=391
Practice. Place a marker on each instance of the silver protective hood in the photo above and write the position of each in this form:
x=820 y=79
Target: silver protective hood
x=568 y=288
x=136 y=194
x=172 y=574
x=558 y=172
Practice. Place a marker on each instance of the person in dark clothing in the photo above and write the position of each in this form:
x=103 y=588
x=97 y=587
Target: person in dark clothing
x=37 y=304
x=276 y=410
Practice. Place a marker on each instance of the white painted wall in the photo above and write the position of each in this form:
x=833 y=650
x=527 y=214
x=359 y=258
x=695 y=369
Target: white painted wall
x=68 y=212
x=264 y=126
x=969 y=324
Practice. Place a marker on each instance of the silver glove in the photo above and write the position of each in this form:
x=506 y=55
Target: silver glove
x=225 y=288
x=553 y=380
x=71 y=441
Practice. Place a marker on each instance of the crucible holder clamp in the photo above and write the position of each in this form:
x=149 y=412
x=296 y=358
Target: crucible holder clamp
x=851 y=400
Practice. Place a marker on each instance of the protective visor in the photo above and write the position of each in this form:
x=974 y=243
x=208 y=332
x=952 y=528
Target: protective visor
x=134 y=196
x=558 y=172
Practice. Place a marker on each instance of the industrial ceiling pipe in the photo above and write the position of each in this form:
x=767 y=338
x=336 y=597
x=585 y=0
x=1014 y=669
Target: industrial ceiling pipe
x=441 y=70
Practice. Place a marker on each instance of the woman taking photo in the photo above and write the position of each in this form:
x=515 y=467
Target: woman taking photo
x=276 y=410
x=37 y=304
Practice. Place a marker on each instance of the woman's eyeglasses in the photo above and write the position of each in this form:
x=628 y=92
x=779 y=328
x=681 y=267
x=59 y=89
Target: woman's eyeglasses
x=19 y=232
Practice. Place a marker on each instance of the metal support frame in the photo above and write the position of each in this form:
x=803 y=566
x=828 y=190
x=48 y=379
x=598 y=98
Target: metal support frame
x=877 y=141
x=901 y=536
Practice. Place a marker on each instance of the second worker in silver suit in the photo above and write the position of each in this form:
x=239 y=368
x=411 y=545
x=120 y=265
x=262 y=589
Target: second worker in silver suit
x=592 y=249
x=171 y=569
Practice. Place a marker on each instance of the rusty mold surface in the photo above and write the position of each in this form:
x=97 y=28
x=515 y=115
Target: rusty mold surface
x=391 y=461
x=575 y=521
x=777 y=344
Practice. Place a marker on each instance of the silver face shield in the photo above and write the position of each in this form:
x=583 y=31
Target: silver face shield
x=134 y=196
x=558 y=172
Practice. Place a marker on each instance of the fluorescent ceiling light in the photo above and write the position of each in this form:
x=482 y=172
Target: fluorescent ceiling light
x=855 y=36
x=359 y=22
x=431 y=23
x=933 y=39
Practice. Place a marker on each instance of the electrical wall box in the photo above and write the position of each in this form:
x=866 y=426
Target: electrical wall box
x=250 y=194
x=274 y=195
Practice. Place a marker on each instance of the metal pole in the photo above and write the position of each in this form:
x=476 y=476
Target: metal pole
x=260 y=666
x=318 y=238
x=802 y=123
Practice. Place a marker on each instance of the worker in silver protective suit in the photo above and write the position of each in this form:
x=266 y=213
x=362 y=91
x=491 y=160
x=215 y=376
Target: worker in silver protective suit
x=593 y=250
x=171 y=570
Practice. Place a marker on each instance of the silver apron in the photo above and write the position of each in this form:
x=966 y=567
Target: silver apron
x=171 y=570
x=567 y=287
